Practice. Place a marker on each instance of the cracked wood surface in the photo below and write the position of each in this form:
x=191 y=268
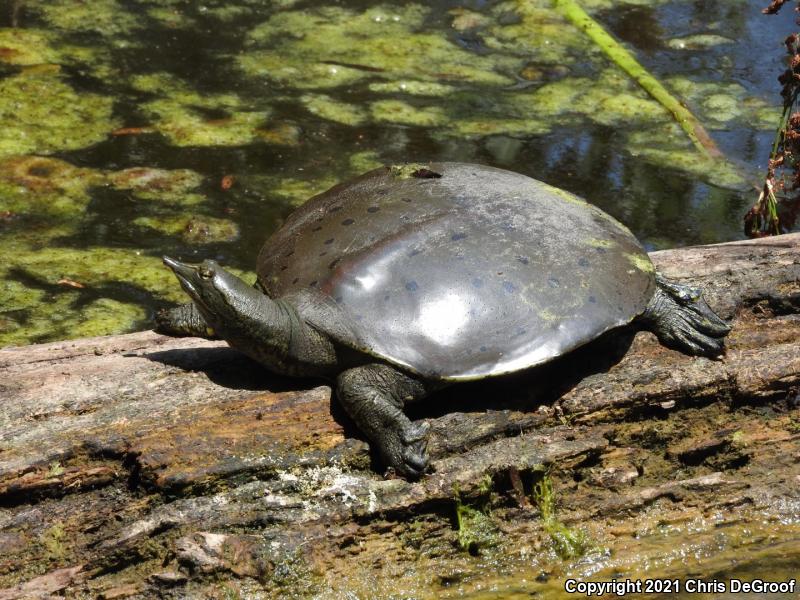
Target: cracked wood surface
x=140 y=465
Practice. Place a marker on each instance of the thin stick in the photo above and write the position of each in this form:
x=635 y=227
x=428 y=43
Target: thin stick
x=573 y=12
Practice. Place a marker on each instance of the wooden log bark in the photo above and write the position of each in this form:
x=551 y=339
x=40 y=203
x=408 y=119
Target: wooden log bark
x=140 y=465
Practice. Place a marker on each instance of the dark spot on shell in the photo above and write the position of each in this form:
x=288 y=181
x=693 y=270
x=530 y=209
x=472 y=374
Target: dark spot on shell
x=322 y=253
x=338 y=299
x=289 y=253
x=412 y=286
x=601 y=250
x=359 y=317
x=284 y=267
x=407 y=200
x=295 y=280
x=509 y=287
x=553 y=282
x=584 y=262
x=592 y=299
x=523 y=259
x=483 y=348
x=334 y=208
x=458 y=236
x=317 y=228
x=328 y=242
x=405 y=218
x=477 y=282
x=386 y=298
x=348 y=221
x=373 y=209
x=469 y=351
x=334 y=263
x=313 y=283
x=414 y=252
x=521 y=331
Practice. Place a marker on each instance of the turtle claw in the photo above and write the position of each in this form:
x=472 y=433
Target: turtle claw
x=682 y=320
x=405 y=449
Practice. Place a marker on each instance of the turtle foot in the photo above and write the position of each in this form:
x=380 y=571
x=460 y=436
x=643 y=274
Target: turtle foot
x=182 y=321
x=681 y=319
x=373 y=395
x=407 y=451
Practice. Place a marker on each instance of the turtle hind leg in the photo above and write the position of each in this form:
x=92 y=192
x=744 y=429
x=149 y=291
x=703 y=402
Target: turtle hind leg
x=374 y=395
x=682 y=320
x=183 y=321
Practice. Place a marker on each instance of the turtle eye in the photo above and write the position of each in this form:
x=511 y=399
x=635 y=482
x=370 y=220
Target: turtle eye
x=206 y=273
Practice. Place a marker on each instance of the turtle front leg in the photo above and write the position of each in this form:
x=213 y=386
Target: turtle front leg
x=374 y=396
x=682 y=320
x=184 y=320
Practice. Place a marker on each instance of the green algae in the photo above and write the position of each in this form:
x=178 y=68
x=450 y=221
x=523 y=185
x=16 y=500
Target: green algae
x=171 y=17
x=53 y=540
x=37 y=185
x=534 y=31
x=695 y=42
x=182 y=114
x=40 y=301
x=568 y=543
x=26 y=47
x=361 y=162
x=167 y=186
x=105 y=17
x=476 y=530
x=642 y=263
x=723 y=104
x=319 y=52
x=406 y=170
x=280 y=134
x=657 y=146
x=295 y=191
x=397 y=111
x=44 y=51
x=39 y=113
x=412 y=88
x=333 y=110
x=193 y=229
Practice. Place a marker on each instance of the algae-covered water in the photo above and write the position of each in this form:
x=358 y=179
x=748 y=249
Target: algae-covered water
x=134 y=128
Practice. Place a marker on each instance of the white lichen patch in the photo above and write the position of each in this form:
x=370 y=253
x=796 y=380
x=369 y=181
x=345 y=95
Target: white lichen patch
x=328 y=482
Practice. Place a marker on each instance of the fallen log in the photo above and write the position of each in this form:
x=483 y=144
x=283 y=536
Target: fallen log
x=140 y=465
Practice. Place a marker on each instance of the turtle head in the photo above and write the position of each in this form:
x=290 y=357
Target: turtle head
x=220 y=296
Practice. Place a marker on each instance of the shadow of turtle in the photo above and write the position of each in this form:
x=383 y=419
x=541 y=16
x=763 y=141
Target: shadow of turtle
x=526 y=390
x=230 y=369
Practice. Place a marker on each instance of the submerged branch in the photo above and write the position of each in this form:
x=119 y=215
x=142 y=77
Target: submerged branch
x=573 y=12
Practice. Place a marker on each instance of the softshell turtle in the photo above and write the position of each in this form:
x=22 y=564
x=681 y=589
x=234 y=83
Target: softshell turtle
x=411 y=277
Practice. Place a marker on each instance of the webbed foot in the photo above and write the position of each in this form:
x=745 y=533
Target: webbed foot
x=373 y=395
x=181 y=321
x=409 y=454
x=681 y=319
